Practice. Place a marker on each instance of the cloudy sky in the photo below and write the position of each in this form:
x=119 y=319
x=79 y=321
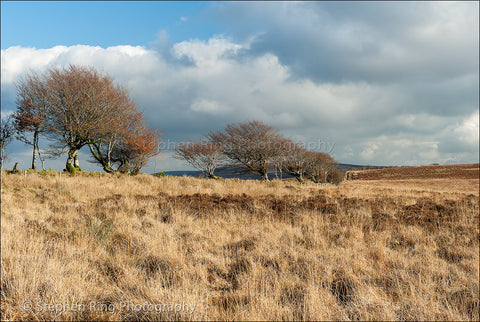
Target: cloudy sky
x=380 y=83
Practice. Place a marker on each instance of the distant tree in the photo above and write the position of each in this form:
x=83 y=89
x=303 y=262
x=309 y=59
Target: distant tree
x=204 y=155
x=296 y=161
x=7 y=131
x=337 y=176
x=253 y=144
x=320 y=166
x=32 y=110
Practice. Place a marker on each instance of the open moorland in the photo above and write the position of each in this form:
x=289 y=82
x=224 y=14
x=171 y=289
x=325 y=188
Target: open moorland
x=453 y=171
x=85 y=247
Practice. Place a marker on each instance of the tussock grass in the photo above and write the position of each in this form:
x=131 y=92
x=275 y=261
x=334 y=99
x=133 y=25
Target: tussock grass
x=239 y=250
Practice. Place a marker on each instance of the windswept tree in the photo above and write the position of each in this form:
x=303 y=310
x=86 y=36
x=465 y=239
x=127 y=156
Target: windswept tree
x=253 y=144
x=204 y=155
x=32 y=110
x=321 y=166
x=295 y=160
x=7 y=131
x=82 y=106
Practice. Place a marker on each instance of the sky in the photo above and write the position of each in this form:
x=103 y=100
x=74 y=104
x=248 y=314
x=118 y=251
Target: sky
x=370 y=82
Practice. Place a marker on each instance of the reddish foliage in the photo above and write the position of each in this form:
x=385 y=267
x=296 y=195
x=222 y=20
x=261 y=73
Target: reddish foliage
x=138 y=143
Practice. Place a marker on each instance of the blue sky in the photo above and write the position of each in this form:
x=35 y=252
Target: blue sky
x=44 y=24
x=383 y=83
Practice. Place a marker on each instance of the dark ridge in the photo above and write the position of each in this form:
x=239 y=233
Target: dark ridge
x=244 y=173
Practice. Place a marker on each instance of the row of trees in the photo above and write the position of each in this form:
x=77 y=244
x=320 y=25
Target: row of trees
x=77 y=106
x=259 y=148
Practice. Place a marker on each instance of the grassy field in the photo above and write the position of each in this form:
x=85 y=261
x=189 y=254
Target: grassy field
x=147 y=248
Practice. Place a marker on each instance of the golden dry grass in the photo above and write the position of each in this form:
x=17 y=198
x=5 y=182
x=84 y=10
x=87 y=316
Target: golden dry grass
x=238 y=250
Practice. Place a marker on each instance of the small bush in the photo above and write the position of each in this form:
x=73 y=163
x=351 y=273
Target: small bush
x=160 y=174
x=337 y=176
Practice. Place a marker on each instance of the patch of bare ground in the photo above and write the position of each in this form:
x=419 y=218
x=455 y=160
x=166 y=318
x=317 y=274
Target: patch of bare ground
x=369 y=250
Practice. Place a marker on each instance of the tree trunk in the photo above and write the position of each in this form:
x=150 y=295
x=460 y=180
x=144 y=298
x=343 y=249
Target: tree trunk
x=41 y=159
x=124 y=166
x=35 y=147
x=72 y=153
x=99 y=157
x=76 y=164
x=212 y=175
x=107 y=168
x=264 y=175
x=2 y=157
x=300 y=178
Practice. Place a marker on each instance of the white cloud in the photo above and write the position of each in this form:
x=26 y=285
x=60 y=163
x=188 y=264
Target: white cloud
x=468 y=131
x=17 y=60
x=206 y=54
x=208 y=106
x=461 y=136
x=369 y=152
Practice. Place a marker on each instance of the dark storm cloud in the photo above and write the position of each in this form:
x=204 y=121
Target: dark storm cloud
x=361 y=41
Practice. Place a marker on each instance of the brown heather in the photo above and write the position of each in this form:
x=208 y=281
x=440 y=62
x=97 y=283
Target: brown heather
x=240 y=250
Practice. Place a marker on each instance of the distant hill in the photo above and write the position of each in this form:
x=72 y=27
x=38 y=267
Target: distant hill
x=345 y=166
x=228 y=173
x=243 y=173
